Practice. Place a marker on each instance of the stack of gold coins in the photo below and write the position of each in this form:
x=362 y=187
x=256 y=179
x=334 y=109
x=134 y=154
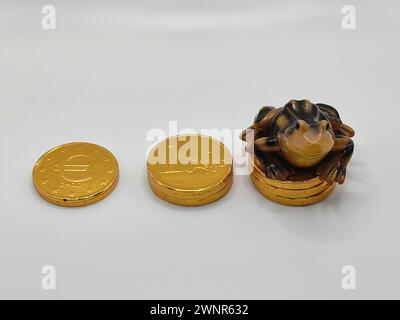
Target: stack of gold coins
x=190 y=170
x=300 y=190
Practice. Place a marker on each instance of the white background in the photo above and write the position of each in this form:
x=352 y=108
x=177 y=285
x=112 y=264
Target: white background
x=112 y=71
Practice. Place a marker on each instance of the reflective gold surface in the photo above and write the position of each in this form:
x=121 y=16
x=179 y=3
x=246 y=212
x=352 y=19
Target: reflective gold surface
x=290 y=192
x=297 y=183
x=190 y=170
x=76 y=174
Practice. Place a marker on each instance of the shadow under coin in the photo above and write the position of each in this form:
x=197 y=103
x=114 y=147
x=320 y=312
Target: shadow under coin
x=338 y=218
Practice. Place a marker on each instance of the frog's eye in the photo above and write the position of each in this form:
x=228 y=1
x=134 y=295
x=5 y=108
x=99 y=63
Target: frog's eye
x=324 y=125
x=301 y=125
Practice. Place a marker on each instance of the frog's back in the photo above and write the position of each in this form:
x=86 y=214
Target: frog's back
x=304 y=110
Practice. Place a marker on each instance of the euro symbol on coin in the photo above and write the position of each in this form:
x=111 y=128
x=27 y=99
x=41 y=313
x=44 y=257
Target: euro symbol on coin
x=76 y=169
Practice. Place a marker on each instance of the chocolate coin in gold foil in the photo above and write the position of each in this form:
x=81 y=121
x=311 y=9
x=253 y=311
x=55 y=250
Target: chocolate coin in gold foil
x=303 y=189
x=76 y=174
x=190 y=170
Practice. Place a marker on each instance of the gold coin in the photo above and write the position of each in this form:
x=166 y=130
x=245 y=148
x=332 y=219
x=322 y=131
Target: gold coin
x=293 y=201
x=76 y=174
x=288 y=184
x=190 y=170
x=290 y=192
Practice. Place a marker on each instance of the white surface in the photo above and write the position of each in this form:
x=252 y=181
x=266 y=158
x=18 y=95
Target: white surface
x=114 y=70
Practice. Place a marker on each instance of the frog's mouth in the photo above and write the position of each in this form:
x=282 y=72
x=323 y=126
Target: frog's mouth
x=306 y=150
x=302 y=158
x=305 y=155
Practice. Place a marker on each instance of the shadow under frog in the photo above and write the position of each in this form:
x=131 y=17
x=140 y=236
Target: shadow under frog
x=301 y=136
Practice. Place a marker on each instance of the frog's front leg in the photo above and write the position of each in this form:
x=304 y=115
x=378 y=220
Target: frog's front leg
x=266 y=149
x=333 y=167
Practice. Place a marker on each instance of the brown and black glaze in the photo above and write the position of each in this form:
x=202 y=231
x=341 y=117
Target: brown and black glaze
x=301 y=139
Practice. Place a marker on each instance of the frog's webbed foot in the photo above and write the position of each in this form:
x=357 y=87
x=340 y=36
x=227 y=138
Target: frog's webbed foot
x=278 y=171
x=274 y=167
x=266 y=150
x=333 y=167
x=333 y=171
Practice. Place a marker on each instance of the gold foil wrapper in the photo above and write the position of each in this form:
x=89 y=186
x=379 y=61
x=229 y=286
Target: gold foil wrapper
x=76 y=174
x=190 y=170
x=297 y=192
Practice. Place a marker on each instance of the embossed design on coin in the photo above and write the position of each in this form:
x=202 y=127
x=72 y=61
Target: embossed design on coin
x=76 y=174
x=75 y=168
x=190 y=170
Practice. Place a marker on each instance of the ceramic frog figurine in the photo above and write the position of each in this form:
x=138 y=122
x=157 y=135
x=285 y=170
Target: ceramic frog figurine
x=301 y=135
